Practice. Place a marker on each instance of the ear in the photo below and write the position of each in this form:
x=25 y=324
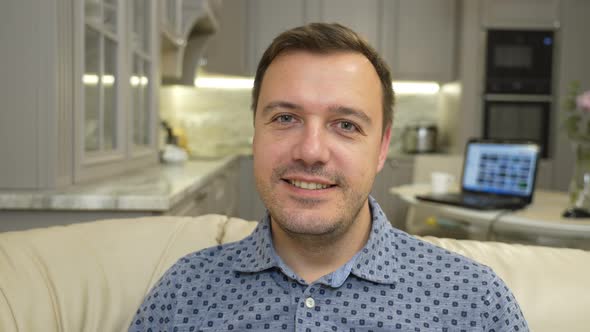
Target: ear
x=384 y=148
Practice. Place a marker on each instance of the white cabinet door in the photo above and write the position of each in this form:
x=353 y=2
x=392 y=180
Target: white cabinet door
x=395 y=172
x=250 y=206
x=218 y=196
x=418 y=39
x=267 y=19
x=116 y=80
x=226 y=50
x=247 y=28
x=361 y=16
x=521 y=13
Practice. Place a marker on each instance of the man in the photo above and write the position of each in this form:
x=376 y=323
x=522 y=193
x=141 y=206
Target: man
x=325 y=258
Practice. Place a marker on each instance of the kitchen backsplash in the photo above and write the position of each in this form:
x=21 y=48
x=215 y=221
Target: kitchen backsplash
x=218 y=122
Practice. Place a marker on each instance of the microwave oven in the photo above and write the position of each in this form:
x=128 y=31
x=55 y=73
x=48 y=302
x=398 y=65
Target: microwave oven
x=519 y=61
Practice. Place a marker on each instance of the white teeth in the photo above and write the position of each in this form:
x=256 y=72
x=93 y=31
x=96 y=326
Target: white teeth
x=308 y=185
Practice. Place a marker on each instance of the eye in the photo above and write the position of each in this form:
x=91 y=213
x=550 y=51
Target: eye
x=284 y=118
x=347 y=126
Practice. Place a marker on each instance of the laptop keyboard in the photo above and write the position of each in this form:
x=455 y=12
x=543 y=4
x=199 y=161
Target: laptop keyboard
x=479 y=201
x=486 y=200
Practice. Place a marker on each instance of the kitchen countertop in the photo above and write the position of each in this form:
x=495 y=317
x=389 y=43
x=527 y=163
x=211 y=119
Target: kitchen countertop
x=155 y=188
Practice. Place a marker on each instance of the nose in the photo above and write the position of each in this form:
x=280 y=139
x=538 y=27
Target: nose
x=312 y=146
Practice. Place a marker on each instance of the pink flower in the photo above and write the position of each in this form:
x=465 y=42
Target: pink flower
x=583 y=101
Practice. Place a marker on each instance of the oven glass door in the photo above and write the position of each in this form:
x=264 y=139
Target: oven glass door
x=519 y=61
x=518 y=120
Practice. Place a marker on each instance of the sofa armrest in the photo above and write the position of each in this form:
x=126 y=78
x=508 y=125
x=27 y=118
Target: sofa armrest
x=92 y=276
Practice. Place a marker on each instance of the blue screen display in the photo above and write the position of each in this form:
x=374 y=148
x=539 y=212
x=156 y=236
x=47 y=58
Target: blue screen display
x=500 y=168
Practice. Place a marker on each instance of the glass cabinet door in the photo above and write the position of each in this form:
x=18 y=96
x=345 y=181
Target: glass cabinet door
x=140 y=80
x=100 y=77
x=115 y=48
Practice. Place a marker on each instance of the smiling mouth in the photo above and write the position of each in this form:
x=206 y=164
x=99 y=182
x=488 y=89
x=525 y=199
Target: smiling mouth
x=308 y=185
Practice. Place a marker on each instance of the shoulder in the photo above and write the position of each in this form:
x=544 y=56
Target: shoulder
x=446 y=272
x=457 y=279
x=209 y=259
x=177 y=291
x=416 y=252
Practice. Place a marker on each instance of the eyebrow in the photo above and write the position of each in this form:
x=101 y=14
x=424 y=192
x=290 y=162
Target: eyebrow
x=280 y=104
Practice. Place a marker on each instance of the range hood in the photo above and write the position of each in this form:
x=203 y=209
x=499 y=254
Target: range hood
x=182 y=51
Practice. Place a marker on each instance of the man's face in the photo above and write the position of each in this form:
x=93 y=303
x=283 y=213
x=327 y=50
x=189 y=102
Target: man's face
x=317 y=142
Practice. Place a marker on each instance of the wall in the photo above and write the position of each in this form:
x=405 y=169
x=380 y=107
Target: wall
x=572 y=65
x=218 y=122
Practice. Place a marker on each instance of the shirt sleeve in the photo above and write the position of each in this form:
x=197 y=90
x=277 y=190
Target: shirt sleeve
x=501 y=311
x=156 y=313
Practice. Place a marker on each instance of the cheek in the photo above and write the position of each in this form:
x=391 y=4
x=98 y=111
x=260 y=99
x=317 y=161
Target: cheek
x=267 y=152
x=360 y=161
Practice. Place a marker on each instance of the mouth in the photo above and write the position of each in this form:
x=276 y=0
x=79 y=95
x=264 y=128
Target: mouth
x=308 y=185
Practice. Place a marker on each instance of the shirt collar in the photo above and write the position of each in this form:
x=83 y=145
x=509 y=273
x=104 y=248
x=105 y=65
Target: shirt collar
x=256 y=253
x=375 y=262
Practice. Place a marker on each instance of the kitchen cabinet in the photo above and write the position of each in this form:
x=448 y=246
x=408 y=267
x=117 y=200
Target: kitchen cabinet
x=397 y=171
x=266 y=19
x=418 y=39
x=186 y=26
x=250 y=205
x=116 y=77
x=78 y=90
x=227 y=51
x=246 y=29
x=362 y=17
x=523 y=14
x=219 y=196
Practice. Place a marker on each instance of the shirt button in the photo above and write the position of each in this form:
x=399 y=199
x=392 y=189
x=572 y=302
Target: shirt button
x=309 y=302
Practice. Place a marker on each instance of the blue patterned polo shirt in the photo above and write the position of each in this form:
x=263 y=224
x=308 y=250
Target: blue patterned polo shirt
x=395 y=283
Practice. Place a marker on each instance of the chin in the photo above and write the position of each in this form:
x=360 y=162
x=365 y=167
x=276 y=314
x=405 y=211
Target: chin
x=309 y=222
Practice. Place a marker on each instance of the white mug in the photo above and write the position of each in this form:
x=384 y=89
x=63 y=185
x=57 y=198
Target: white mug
x=441 y=182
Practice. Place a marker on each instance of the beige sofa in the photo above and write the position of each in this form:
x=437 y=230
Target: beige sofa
x=93 y=276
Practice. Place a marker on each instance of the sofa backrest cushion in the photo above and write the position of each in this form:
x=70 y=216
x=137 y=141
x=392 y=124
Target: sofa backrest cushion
x=93 y=276
x=552 y=285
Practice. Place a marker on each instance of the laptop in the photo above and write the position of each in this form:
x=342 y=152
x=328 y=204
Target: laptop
x=497 y=175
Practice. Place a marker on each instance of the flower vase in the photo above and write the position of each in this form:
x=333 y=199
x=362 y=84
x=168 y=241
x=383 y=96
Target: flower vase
x=581 y=167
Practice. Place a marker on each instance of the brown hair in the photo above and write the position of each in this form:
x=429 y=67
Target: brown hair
x=326 y=38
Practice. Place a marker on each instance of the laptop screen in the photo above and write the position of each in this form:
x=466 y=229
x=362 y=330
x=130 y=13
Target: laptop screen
x=500 y=168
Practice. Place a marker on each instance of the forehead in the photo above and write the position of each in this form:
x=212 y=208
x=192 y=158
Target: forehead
x=343 y=62
x=319 y=80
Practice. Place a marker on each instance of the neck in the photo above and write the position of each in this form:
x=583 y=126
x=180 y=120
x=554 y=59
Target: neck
x=314 y=256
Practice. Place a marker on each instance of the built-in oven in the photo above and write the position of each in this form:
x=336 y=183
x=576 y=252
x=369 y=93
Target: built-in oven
x=518 y=117
x=518 y=94
x=519 y=61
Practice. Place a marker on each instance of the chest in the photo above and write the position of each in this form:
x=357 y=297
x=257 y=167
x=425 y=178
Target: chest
x=275 y=303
